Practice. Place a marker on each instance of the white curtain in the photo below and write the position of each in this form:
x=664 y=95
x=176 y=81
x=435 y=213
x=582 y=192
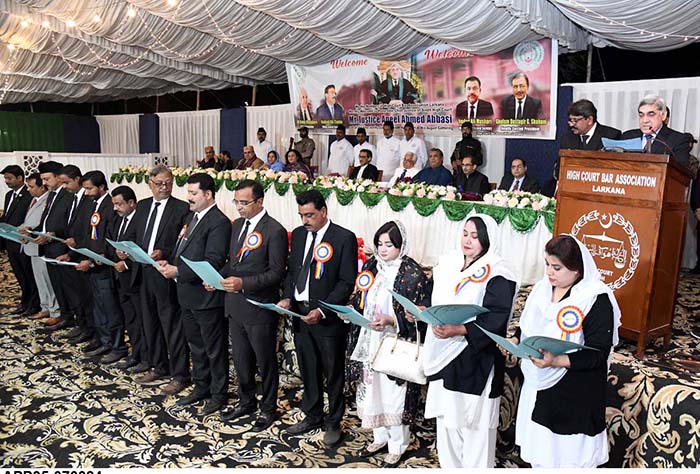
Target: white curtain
x=119 y=133
x=278 y=122
x=183 y=135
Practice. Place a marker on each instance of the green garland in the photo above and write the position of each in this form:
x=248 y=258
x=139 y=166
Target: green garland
x=522 y=220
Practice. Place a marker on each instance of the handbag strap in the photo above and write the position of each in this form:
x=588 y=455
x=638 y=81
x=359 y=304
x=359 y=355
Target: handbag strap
x=396 y=337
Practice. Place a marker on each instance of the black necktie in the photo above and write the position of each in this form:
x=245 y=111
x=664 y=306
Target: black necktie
x=122 y=229
x=47 y=209
x=403 y=175
x=303 y=276
x=188 y=232
x=149 y=227
x=241 y=239
x=471 y=112
x=584 y=139
x=519 y=112
x=647 y=145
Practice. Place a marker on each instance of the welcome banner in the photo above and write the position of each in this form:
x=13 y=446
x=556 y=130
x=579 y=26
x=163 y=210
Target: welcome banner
x=510 y=93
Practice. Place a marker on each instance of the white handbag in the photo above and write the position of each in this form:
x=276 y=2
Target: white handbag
x=400 y=358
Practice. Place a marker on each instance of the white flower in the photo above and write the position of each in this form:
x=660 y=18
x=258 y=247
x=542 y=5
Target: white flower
x=442 y=191
x=407 y=192
x=536 y=205
x=361 y=189
x=450 y=196
x=433 y=195
x=488 y=199
x=395 y=192
x=420 y=192
x=544 y=202
x=512 y=202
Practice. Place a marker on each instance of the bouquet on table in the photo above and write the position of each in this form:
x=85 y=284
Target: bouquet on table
x=519 y=200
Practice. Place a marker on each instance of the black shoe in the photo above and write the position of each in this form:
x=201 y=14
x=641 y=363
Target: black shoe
x=127 y=363
x=193 y=397
x=80 y=338
x=332 y=436
x=74 y=333
x=212 y=406
x=90 y=347
x=31 y=311
x=303 y=426
x=111 y=357
x=263 y=422
x=62 y=325
x=239 y=411
x=139 y=368
x=696 y=270
x=97 y=352
x=18 y=309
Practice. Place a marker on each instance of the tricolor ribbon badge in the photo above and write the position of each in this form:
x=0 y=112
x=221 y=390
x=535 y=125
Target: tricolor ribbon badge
x=479 y=276
x=94 y=222
x=364 y=282
x=252 y=242
x=182 y=233
x=569 y=320
x=322 y=254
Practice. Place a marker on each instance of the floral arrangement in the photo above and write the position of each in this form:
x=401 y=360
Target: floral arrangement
x=420 y=190
x=181 y=174
x=347 y=184
x=519 y=200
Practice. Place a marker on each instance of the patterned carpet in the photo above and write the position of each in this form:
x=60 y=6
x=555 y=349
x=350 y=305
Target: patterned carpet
x=57 y=410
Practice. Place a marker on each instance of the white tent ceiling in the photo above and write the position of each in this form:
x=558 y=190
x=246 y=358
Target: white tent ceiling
x=92 y=50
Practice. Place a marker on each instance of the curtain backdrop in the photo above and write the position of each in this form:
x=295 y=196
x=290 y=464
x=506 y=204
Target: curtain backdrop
x=119 y=133
x=277 y=120
x=183 y=135
x=30 y=131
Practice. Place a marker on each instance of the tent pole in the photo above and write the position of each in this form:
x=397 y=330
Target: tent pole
x=589 y=65
x=255 y=91
x=198 y=99
x=157 y=102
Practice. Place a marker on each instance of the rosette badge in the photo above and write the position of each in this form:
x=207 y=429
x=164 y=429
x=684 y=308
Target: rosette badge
x=322 y=254
x=569 y=320
x=479 y=276
x=252 y=242
x=94 y=222
x=364 y=282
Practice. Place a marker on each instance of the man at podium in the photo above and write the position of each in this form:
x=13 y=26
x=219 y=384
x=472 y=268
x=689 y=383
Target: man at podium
x=657 y=137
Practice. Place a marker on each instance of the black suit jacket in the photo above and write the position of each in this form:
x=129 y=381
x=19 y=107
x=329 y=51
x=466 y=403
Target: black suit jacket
x=208 y=241
x=370 y=172
x=569 y=141
x=695 y=193
x=337 y=282
x=323 y=113
x=529 y=184
x=667 y=142
x=484 y=110
x=262 y=271
x=476 y=183
x=78 y=227
x=99 y=246
x=57 y=222
x=14 y=215
x=128 y=279
x=532 y=108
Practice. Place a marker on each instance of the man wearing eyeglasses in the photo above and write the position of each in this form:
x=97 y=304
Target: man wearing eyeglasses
x=157 y=222
x=255 y=269
x=585 y=133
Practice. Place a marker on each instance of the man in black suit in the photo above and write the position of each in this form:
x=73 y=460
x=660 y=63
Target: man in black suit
x=256 y=267
x=470 y=180
x=17 y=201
x=204 y=237
x=107 y=313
x=657 y=137
x=128 y=281
x=366 y=170
x=54 y=221
x=467 y=145
x=322 y=267
x=585 y=133
x=157 y=222
x=473 y=108
x=330 y=109
x=520 y=105
x=518 y=180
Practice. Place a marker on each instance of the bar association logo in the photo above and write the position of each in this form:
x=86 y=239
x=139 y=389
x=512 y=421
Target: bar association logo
x=528 y=55
x=613 y=243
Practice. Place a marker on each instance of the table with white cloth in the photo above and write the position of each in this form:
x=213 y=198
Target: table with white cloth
x=430 y=236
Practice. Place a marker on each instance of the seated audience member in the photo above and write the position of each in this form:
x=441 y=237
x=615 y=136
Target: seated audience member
x=294 y=163
x=407 y=170
x=262 y=147
x=273 y=161
x=225 y=162
x=435 y=173
x=362 y=144
x=657 y=137
x=471 y=181
x=468 y=144
x=250 y=160
x=366 y=170
x=518 y=180
x=209 y=160
x=340 y=157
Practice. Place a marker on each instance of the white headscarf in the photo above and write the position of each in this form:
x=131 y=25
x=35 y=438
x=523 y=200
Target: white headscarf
x=379 y=300
x=452 y=285
x=564 y=320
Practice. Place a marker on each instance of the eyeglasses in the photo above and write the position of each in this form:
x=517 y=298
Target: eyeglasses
x=242 y=203
x=162 y=184
x=575 y=119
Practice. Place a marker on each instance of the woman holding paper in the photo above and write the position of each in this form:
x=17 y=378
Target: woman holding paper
x=464 y=367
x=387 y=405
x=561 y=413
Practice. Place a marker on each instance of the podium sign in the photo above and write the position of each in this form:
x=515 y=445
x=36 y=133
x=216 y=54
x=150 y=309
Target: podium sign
x=629 y=210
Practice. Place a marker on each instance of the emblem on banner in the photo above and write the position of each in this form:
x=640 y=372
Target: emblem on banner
x=528 y=55
x=613 y=243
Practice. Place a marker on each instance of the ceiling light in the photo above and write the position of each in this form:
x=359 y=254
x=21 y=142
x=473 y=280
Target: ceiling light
x=11 y=47
x=131 y=12
x=96 y=18
x=24 y=23
x=45 y=23
x=70 y=23
x=172 y=3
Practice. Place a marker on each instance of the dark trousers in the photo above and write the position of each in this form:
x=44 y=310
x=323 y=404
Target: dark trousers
x=130 y=302
x=319 y=357
x=77 y=289
x=56 y=275
x=255 y=346
x=22 y=268
x=205 y=331
x=107 y=313
x=162 y=326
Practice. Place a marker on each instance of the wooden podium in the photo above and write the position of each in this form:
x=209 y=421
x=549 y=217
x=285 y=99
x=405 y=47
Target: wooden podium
x=630 y=210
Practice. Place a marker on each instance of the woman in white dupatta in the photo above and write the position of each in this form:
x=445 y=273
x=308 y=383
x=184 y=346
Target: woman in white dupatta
x=561 y=413
x=385 y=404
x=464 y=367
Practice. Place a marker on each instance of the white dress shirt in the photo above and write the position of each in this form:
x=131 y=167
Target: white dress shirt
x=304 y=295
x=262 y=148
x=388 y=155
x=253 y=223
x=416 y=146
x=156 y=224
x=410 y=173
x=340 y=158
x=365 y=146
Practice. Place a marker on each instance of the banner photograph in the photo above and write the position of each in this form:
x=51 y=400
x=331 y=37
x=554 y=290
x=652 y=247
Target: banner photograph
x=509 y=93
